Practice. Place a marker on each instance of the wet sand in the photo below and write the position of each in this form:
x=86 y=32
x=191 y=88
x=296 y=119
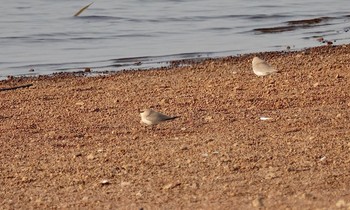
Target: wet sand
x=74 y=142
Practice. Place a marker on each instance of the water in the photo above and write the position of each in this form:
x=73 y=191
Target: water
x=111 y=35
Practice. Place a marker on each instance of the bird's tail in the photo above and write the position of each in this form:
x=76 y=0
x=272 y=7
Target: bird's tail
x=172 y=118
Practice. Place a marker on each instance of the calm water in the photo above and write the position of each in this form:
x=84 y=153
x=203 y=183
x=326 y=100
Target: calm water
x=111 y=35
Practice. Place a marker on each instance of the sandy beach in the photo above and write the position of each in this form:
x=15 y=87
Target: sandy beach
x=242 y=141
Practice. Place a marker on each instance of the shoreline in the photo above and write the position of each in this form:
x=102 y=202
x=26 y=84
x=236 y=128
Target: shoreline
x=172 y=63
x=72 y=141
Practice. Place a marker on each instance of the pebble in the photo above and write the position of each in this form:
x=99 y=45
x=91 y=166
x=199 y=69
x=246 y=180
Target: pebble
x=105 y=182
x=320 y=39
x=10 y=77
x=341 y=204
x=209 y=119
x=80 y=103
x=337 y=76
x=270 y=175
x=167 y=186
x=164 y=101
x=185 y=147
x=78 y=154
x=87 y=70
x=90 y=157
x=307 y=196
x=125 y=184
x=258 y=203
x=194 y=185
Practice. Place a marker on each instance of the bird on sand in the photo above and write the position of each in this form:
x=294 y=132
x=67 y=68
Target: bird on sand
x=262 y=68
x=151 y=117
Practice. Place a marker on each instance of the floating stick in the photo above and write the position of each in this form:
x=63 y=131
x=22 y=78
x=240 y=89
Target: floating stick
x=82 y=10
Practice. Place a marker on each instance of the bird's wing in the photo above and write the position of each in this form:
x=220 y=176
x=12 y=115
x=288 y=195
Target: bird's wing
x=156 y=116
x=267 y=68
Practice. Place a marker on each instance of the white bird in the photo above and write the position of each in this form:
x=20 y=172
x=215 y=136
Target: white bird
x=151 y=117
x=261 y=68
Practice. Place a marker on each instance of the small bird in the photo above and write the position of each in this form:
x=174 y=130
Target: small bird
x=151 y=117
x=261 y=68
